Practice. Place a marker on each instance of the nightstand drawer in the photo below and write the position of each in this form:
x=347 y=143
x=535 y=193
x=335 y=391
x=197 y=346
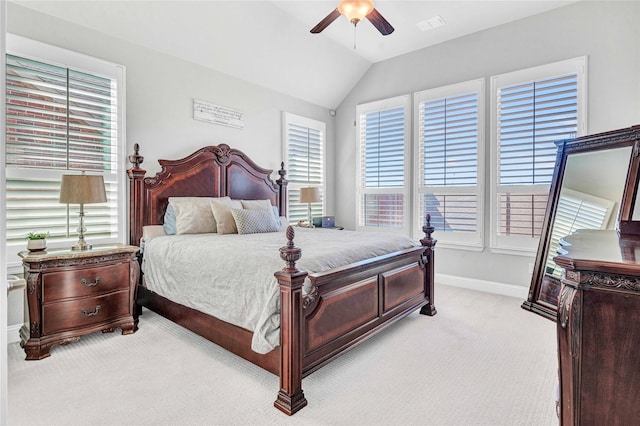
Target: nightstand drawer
x=84 y=282
x=84 y=312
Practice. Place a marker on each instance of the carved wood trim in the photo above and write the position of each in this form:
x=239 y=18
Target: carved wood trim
x=589 y=279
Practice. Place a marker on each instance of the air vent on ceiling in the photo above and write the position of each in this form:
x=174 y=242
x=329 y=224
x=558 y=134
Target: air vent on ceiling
x=431 y=23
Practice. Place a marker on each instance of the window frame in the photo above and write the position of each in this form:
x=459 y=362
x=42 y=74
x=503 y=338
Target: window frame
x=290 y=118
x=38 y=51
x=405 y=102
x=520 y=245
x=467 y=241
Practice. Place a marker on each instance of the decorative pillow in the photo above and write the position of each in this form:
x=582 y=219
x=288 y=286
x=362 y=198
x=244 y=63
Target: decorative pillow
x=254 y=221
x=193 y=215
x=169 y=222
x=256 y=204
x=262 y=205
x=221 y=209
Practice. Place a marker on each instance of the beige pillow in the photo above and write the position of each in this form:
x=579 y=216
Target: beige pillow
x=221 y=209
x=256 y=204
x=193 y=215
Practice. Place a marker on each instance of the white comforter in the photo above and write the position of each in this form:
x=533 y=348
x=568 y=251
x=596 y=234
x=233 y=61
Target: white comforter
x=231 y=276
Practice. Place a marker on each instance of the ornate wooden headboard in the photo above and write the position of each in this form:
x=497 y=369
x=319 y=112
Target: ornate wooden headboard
x=212 y=171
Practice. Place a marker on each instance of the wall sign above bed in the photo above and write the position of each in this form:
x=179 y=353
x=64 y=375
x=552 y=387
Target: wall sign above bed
x=211 y=113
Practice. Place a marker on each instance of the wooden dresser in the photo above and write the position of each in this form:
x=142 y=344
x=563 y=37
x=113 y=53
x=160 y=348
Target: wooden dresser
x=73 y=293
x=598 y=326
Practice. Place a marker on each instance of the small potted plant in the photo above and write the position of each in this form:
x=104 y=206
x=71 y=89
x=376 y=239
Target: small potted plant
x=37 y=241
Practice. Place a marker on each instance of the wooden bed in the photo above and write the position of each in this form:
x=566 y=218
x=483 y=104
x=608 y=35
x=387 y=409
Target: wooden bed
x=346 y=306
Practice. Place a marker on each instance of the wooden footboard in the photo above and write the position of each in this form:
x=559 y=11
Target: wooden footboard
x=345 y=307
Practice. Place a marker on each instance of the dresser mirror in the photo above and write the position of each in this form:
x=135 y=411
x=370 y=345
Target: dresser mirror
x=587 y=189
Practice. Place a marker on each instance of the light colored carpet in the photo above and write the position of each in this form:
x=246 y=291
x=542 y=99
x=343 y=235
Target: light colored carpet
x=481 y=360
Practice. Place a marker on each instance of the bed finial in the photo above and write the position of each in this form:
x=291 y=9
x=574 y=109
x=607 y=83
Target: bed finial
x=136 y=159
x=282 y=172
x=290 y=253
x=427 y=228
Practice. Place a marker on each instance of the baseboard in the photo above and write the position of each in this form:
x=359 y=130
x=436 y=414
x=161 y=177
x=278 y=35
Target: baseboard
x=481 y=285
x=13 y=333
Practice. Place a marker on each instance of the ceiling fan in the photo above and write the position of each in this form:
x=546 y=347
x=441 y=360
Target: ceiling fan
x=355 y=11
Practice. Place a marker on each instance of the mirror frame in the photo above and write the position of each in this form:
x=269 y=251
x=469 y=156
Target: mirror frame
x=543 y=290
x=626 y=224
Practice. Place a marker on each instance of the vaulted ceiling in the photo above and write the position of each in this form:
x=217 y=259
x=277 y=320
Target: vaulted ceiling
x=268 y=42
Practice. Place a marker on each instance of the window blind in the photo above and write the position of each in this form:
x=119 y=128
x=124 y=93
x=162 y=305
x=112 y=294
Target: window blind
x=382 y=167
x=448 y=132
x=58 y=120
x=532 y=116
x=305 y=164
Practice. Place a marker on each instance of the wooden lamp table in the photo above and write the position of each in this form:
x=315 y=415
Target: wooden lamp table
x=71 y=293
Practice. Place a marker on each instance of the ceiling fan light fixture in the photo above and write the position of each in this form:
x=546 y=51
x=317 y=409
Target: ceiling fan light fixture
x=355 y=10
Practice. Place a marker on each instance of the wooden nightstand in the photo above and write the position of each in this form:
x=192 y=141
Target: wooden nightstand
x=73 y=293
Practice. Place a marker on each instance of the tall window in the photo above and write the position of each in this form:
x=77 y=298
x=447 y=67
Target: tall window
x=533 y=108
x=63 y=116
x=304 y=142
x=384 y=144
x=449 y=155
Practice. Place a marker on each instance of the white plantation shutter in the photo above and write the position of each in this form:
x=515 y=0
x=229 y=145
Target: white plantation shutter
x=576 y=210
x=532 y=116
x=449 y=152
x=60 y=120
x=382 y=195
x=533 y=109
x=305 y=163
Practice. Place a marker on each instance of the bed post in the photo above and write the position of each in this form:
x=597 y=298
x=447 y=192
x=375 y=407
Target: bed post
x=429 y=245
x=282 y=190
x=136 y=186
x=290 y=397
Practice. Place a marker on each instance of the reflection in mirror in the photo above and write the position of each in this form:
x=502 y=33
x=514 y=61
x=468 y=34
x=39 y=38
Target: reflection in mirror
x=588 y=191
x=589 y=197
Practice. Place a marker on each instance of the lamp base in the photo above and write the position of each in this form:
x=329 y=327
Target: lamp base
x=81 y=245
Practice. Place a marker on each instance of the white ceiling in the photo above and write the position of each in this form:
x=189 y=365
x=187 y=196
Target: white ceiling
x=268 y=42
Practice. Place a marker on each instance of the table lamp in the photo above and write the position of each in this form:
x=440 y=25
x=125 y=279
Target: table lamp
x=310 y=195
x=82 y=189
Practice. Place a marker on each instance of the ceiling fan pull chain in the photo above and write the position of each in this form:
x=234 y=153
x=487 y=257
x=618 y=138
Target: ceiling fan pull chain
x=355 y=28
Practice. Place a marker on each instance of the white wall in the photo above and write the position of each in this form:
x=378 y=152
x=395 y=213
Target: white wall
x=607 y=32
x=160 y=91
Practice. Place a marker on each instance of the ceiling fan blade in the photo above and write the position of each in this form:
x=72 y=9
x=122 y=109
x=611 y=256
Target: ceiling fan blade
x=379 y=22
x=326 y=21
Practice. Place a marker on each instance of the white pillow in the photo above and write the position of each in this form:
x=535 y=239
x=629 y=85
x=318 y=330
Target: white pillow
x=193 y=215
x=254 y=221
x=221 y=210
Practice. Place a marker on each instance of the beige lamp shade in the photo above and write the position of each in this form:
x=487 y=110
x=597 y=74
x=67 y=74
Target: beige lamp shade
x=310 y=195
x=82 y=189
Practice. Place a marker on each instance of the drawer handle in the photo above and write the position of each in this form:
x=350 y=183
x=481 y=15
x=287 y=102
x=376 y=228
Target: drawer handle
x=87 y=284
x=90 y=314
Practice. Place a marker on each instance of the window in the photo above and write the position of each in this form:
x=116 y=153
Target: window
x=449 y=155
x=304 y=142
x=383 y=169
x=531 y=109
x=63 y=115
